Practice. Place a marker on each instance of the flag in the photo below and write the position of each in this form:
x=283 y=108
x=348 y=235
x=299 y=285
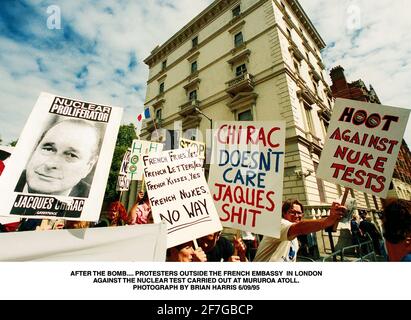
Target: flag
x=140 y=118
x=147 y=113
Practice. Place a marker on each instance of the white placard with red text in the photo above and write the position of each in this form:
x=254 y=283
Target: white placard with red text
x=246 y=176
x=362 y=145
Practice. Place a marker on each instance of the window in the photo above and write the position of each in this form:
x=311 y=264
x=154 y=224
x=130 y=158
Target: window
x=194 y=67
x=245 y=116
x=315 y=85
x=163 y=65
x=193 y=95
x=297 y=66
x=194 y=42
x=289 y=33
x=161 y=88
x=236 y=11
x=310 y=122
x=238 y=39
x=158 y=114
x=240 y=70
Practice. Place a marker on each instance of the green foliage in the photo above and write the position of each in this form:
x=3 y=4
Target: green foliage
x=13 y=143
x=125 y=137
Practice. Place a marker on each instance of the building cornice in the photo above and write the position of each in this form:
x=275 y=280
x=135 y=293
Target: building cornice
x=213 y=11
x=303 y=17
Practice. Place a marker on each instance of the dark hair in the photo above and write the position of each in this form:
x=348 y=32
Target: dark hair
x=289 y=203
x=397 y=220
x=144 y=198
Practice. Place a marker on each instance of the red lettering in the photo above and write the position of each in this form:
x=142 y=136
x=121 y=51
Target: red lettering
x=388 y=120
x=250 y=131
x=337 y=168
x=371 y=176
x=379 y=164
x=223 y=208
x=393 y=143
x=336 y=134
x=364 y=161
x=381 y=180
x=271 y=201
x=270 y=133
x=340 y=152
x=219 y=138
x=360 y=177
x=347 y=174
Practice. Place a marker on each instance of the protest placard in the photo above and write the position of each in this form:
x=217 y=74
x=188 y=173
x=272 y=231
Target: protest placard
x=60 y=166
x=128 y=243
x=179 y=195
x=246 y=178
x=123 y=181
x=139 y=148
x=194 y=146
x=362 y=145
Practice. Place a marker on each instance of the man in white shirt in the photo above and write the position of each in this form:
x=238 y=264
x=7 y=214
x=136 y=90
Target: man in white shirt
x=285 y=249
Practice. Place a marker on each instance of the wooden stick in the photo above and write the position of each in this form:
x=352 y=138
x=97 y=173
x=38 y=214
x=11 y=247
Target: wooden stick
x=195 y=244
x=142 y=184
x=344 y=199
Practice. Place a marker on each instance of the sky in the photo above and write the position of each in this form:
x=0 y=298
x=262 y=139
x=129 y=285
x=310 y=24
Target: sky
x=96 y=53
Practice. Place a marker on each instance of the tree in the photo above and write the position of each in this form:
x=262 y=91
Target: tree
x=125 y=137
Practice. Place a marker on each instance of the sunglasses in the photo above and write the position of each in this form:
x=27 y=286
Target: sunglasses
x=294 y=212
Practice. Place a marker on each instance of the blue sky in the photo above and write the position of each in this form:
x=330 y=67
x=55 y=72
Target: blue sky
x=98 y=53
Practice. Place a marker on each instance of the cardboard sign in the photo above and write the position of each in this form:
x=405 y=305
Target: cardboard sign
x=123 y=181
x=179 y=195
x=246 y=178
x=362 y=145
x=195 y=146
x=60 y=166
x=128 y=243
x=140 y=148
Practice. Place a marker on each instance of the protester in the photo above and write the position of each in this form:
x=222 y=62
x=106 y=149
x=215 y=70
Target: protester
x=367 y=227
x=71 y=224
x=140 y=212
x=65 y=155
x=218 y=248
x=186 y=253
x=114 y=215
x=292 y=225
x=397 y=229
x=355 y=229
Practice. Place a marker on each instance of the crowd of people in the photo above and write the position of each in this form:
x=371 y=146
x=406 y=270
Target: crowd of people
x=216 y=247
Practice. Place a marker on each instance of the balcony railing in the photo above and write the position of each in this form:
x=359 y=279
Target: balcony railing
x=241 y=83
x=188 y=107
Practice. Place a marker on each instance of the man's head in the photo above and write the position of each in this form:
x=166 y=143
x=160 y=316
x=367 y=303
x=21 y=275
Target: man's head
x=181 y=253
x=397 y=220
x=292 y=210
x=397 y=228
x=208 y=242
x=65 y=154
